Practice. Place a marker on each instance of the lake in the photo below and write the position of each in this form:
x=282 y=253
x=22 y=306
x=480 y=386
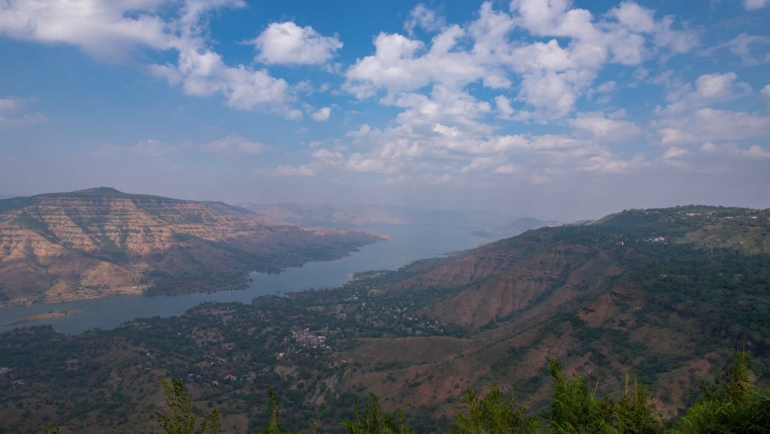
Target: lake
x=408 y=243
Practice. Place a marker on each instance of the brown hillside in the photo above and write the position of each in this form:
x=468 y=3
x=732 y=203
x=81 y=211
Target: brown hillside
x=102 y=242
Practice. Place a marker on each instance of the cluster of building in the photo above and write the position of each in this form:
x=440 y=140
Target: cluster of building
x=5 y=378
x=307 y=339
x=214 y=359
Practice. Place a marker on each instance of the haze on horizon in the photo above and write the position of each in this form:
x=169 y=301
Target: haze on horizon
x=560 y=110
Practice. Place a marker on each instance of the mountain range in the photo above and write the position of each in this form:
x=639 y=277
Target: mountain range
x=100 y=242
x=341 y=215
x=663 y=296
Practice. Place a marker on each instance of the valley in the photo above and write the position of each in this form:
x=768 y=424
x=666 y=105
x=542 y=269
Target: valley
x=663 y=295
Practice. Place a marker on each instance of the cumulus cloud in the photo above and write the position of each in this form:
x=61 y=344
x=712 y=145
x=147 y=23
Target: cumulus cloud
x=711 y=125
x=603 y=129
x=289 y=44
x=322 y=114
x=755 y=4
x=709 y=89
x=552 y=75
x=13 y=114
x=109 y=30
x=361 y=132
x=234 y=145
x=425 y=18
x=754 y=152
x=766 y=92
x=120 y=30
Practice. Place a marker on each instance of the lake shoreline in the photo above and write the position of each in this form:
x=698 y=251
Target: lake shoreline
x=409 y=243
x=43 y=316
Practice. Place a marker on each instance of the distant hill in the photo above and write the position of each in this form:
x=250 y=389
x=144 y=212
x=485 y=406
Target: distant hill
x=7 y=196
x=339 y=215
x=516 y=227
x=99 y=242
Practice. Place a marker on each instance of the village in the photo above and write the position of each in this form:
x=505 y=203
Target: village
x=307 y=339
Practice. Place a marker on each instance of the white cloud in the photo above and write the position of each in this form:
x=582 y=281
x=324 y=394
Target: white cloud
x=709 y=89
x=742 y=46
x=288 y=44
x=711 y=125
x=7 y=104
x=322 y=114
x=755 y=4
x=399 y=64
x=13 y=115
x=108 y=30
x=766 y=92
x=363 y=131
x=552 y=75
x=150 y=148
x=504 y=107
x=482 y=163
x=22 y=121
x=203 y=73
x=604 y=129
x=120 y=30
x=234 y=145
x=674 y=152
x=508 y=169
x=755 y=152
x=425 y=18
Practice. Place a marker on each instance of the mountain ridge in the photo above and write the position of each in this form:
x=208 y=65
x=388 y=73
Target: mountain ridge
x=341 y=215
x=96 y=242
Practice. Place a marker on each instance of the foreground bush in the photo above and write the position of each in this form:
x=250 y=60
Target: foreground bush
x=731 y=404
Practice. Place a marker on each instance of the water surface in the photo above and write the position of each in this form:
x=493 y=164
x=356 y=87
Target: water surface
x=409 y=243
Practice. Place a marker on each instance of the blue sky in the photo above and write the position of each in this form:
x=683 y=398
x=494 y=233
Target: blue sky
x=557 y=109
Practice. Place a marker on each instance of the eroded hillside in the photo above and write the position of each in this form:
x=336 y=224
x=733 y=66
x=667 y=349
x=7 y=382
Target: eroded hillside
x=99 y=242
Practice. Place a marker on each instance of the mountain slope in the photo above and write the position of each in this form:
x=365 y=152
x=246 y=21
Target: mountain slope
x=100 y=242
x=663 y=294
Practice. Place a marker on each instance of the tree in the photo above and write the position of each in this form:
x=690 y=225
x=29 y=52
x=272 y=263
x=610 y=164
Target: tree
x=730 y=404
x=493 y=413
x=373 y=421
x=184 y=419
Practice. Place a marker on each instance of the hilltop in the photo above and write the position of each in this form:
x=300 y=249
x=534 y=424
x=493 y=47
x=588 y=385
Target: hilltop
x=661 y=295
x=99 y=242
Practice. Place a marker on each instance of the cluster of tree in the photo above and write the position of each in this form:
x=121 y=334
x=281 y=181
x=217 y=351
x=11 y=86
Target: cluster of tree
x=730 y=404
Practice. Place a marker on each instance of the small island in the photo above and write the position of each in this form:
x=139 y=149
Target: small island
x=46 y=315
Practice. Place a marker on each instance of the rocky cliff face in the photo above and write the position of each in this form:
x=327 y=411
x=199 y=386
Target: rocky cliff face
x=101 y=242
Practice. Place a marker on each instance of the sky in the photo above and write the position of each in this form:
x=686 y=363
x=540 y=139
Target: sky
x=556 y=109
